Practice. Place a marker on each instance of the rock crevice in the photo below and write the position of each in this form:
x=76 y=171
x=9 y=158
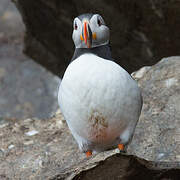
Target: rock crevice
x=142 y=32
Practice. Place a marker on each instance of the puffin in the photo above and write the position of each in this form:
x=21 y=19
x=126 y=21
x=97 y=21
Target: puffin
x=99 y=100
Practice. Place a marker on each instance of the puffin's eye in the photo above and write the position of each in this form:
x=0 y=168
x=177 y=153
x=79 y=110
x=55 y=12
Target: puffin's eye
x=99 y=22
x=75 y=26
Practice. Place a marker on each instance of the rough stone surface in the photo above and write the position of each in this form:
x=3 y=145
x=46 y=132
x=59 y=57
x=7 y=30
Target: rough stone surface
x=142 y=32
x=157 y=134
x=26 y=88
x=45 y=149
x=25 y=155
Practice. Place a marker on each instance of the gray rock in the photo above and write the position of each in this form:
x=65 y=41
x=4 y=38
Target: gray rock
x=142 y=32
x=45 y=149
x=157 y=135
x=11 y=26
x=26 y=88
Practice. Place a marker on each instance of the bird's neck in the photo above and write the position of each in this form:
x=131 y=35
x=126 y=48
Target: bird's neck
x=103 y=51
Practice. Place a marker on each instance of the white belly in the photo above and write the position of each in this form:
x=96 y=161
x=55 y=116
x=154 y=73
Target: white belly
x=98 y=99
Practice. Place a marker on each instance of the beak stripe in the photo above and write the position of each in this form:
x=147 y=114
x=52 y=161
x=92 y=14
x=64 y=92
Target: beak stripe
x=85 y=32
x=81 y=37
x=90 y=34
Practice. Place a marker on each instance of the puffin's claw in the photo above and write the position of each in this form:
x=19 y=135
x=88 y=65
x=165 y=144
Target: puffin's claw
x=88 y=153
x=121 y=148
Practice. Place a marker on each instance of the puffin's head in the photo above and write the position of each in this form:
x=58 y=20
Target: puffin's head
x=90 y=31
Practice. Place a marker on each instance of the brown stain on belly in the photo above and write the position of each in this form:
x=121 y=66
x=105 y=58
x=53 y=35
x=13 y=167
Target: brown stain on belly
x=98 y=126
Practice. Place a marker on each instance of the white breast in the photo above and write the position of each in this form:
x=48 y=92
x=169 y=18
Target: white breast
x=98 y=99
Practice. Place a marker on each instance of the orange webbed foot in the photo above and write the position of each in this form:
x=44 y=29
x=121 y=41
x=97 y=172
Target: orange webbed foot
x=88 y=153
x=121 y=148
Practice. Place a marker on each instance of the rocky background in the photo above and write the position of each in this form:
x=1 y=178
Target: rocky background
x=33 y=146
x=26 y=88
x=142 y=32
x=45 y=149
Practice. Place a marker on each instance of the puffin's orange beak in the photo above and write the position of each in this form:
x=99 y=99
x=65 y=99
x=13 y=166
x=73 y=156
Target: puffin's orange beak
x=87 y=34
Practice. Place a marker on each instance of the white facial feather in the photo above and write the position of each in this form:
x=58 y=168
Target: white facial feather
x=77 y=32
